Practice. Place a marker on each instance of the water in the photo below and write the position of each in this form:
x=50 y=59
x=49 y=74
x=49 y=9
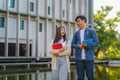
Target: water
x=102 y=72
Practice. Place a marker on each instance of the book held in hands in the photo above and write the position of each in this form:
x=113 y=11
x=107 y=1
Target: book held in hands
x=88 y=41
x=57 y=46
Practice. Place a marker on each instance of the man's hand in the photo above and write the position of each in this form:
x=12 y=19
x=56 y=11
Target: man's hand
x=82 y=45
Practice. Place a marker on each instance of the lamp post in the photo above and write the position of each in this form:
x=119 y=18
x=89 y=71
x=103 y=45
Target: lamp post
x=90 y=10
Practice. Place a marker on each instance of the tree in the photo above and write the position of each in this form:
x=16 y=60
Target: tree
x=109 y=43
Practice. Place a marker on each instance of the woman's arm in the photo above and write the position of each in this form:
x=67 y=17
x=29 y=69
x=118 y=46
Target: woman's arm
x=51 y=50
x=66 y=51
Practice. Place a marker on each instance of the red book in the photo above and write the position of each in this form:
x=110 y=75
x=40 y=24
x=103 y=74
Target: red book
x=57 y=46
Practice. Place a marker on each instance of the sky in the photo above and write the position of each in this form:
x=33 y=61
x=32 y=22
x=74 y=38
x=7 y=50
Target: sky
x=114 y=3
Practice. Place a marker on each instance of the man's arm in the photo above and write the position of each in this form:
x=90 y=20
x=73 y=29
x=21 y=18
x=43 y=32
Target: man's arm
x=74 y=42
x=95 y=40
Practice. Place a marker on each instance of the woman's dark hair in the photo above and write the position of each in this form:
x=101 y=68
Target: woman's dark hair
x=58 y=35
x=81 y=17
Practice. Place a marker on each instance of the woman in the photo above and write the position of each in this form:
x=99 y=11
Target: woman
x=60 y=57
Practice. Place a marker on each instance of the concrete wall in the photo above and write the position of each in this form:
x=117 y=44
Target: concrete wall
x=23 y=8
x=2 y=4
x=41 y=7
x=41 y=39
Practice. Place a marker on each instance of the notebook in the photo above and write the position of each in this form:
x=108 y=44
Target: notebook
x=57 y=46
x=88 y=41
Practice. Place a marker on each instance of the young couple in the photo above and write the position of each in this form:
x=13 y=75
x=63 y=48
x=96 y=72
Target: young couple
x=84 y=51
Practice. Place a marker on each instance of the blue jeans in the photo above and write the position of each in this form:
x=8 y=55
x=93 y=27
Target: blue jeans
x=85 y=66
x=61 y=72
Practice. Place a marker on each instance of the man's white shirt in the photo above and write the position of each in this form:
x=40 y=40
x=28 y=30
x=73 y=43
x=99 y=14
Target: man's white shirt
x=82 y=39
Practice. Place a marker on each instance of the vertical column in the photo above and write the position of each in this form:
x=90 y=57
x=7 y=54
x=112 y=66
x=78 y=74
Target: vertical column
x=86 y=9
x=17 y=31
x=81 y=6
x=37 y=28
x=46 y=8
x=18 y=6
x=90 y=10
x=27 y=38
x=6 y=35
x=53 y=8
x=74 y=10
x=61 y=18
x=45 y=32
x=68 y=17
x=28 y=5
x=68 y=9
x=27 y=77
x=37 y=42
x=60 y=2
x=7 y=5
x=36 y=76
x=68 y=30
x=5 y=78
x=54 y=28
x=6 y=31
x=27 y=32
x=54 y=20
x=17 y=36
x=45 y=38
x=16 y=77
x=45 y=76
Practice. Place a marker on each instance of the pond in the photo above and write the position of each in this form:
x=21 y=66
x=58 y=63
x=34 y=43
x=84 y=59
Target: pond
x=102 y=72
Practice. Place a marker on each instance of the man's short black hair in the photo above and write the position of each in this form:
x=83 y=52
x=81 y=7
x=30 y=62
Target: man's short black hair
x=82 y=17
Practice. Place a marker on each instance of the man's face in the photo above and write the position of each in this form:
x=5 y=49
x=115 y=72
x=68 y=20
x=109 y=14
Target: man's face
x=80 y=23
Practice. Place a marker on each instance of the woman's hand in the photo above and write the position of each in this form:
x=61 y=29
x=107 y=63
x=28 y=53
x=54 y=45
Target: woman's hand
x=61 y=50
x=56 y=55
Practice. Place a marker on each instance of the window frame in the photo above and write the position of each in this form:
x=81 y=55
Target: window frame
x=31 y=6
x=22 y=24
x=11 y=3
x=2 y=22
x=48 y=10
x=40 y=27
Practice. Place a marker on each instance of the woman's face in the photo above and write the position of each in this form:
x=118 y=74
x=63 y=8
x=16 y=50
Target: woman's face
x=62 y=31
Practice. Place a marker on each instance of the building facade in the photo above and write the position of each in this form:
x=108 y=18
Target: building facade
x=28 y=26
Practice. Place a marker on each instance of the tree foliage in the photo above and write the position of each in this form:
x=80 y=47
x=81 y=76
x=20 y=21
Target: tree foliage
x=109 y=43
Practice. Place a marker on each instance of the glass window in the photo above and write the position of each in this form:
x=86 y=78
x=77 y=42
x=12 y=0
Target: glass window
x=31 y=6
x=11 y=3
x=2 y=49
x=22 y=49
x=1 y=22
x=21 y=24
x=11 y=49
x=48 y=10
x=40 y=27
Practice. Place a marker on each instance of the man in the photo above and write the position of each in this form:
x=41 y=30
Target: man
x=84 y=41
